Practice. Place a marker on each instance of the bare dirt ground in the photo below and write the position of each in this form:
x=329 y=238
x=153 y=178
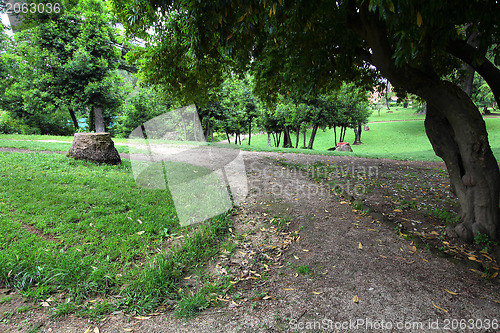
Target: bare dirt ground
x=310 y=261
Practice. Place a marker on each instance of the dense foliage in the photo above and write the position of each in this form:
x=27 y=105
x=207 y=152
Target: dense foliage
x=302 y=49
x=61 y=67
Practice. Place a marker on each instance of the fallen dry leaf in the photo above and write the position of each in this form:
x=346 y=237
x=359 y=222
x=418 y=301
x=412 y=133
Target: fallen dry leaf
x=88 y=330
x=128 y=329
x=288 y=289
x=398 y=210
x=141 y=232
x=450 y=292
x=355 y=299
x=487 y=257
x=96 y=330
x=316 y=293
x=437 y=307
x=360 y=246
x=142 y=318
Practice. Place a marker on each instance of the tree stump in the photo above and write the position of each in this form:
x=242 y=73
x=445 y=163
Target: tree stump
x=343 y=146
x=94 y=147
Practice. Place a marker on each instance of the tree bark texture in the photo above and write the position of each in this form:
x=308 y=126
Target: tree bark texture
x=455 y=129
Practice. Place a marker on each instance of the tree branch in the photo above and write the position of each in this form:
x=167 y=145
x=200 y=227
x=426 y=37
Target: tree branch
x=470 y=55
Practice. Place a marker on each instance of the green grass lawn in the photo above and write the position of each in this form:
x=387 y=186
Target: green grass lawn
x=38 y=143
x=81 y=230
x=402 y=140
x=395 y=113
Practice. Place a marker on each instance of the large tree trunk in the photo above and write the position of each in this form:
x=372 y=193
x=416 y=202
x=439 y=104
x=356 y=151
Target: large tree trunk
x=473 y=170
x=455 y=129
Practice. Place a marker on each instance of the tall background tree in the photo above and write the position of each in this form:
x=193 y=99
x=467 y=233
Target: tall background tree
x=309 y=47
x=63 y=64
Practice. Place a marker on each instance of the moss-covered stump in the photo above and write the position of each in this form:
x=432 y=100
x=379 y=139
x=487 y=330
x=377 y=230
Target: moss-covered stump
x=94 y=147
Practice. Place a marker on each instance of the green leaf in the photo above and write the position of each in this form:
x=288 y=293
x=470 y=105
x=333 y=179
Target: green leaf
x=419 y=19
x=390 y=6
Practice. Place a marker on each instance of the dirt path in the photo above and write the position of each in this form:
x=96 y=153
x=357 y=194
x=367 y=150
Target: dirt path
x=332 y=269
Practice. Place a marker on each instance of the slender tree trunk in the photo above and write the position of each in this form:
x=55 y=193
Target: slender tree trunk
x=91 y=121
x=99 y=119
x=342 y=133
x=287 y=140
x=335 y=135
x=268 y=139
x=357 y=135
x=228 y=139
x=207 y=131
x=298 y=137
x=73 y=118
x=313 y=136
x=387 y=91
x=249 y=131
x=305 y=132
x=278 y=134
